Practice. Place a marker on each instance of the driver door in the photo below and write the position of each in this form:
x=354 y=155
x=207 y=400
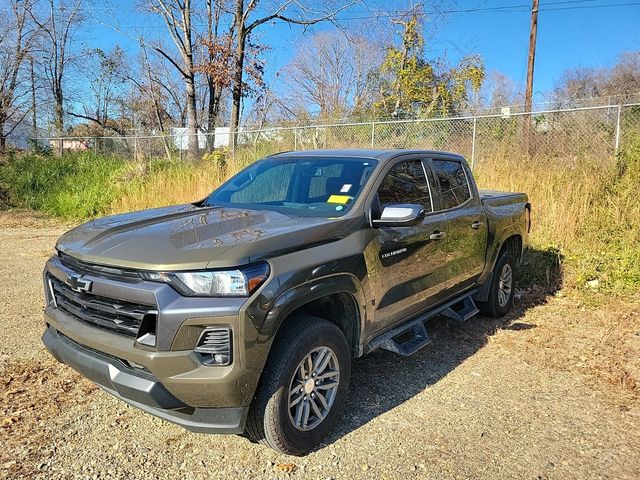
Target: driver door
x=406 y=264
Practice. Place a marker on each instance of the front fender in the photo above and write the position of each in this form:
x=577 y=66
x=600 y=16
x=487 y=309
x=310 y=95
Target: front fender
x=268 y=326
x=307 y=292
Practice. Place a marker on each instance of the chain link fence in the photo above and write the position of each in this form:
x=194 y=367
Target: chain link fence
x=594 y=132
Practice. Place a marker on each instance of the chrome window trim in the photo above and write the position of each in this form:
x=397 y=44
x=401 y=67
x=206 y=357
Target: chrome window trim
x=426 y=177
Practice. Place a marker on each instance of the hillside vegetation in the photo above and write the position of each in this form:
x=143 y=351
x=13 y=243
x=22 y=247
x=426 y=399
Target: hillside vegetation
x=585 y=213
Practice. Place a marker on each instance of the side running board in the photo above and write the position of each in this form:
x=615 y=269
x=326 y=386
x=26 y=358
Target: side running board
x=462 y=310
x=411 y=336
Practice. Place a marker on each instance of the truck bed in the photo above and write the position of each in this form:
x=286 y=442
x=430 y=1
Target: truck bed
x=495 y=198
x=507 y=213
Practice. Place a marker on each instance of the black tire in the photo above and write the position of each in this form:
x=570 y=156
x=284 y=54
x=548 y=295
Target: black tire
x=269 y=421
x=494 y=307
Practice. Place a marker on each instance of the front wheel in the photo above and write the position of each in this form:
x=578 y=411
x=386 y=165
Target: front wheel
x=303 y=387
x=502 y=288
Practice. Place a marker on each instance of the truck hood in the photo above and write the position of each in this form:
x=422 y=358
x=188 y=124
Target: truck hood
x=187 y=237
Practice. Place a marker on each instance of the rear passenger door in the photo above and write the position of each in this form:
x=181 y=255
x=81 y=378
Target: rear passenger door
x=466 y=222
x=406 y=264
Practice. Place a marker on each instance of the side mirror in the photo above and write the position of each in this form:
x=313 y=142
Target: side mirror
x=400 y=216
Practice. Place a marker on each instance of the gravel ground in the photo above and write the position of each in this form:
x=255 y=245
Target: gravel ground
x=511 y=399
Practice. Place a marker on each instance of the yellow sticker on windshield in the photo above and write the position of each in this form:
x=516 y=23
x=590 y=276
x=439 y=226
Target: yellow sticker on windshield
x=342 y=199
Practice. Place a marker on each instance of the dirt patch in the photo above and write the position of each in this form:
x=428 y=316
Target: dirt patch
x=32 y=392
x=549 y=392
x=600 y=343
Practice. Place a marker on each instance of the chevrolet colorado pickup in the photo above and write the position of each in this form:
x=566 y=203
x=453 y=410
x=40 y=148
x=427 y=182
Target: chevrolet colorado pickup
x=241 y=313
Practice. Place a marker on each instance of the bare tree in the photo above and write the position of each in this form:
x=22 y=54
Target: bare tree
x=625 y=75
x=58 y=29
x=153 y=88
x=293 y=12
x=332 y=73
x=500 y=90
x=106 y=75
x=216 y=69
x=177 y=16
x=575 y=86
x=17 y=37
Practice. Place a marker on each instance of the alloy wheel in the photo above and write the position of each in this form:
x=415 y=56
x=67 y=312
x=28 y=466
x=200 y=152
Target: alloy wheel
x=313 y=388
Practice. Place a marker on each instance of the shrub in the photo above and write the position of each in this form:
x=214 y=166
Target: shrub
x=74 y=186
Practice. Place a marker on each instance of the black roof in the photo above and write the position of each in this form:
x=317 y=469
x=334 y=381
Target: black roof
x=381 y=155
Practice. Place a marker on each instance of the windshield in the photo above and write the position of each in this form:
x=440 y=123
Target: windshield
x=322 y=186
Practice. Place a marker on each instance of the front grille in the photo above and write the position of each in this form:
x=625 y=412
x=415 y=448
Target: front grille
x=110 y=314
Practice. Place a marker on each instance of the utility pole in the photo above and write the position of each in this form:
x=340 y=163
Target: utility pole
x=533 y=32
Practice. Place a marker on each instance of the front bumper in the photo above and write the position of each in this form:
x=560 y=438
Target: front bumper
x=141 y=389
x=173 y=363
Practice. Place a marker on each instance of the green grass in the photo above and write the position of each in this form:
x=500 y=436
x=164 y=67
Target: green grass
x=75 y=186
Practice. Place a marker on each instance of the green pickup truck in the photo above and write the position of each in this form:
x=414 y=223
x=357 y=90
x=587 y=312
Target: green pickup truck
x=241 y=313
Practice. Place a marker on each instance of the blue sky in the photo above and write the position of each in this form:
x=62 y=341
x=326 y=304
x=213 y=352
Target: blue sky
x=571 y=33
x=581 y=37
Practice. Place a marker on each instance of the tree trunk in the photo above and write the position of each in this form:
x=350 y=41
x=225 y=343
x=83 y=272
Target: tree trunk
x=236 y=96
x=192 y=120
x=213 y=20
x=3 y=139
x=190 y=86
x=34 y=115
x=212 y=116
x=403 y=62
x=237 y=92
x=58 y=119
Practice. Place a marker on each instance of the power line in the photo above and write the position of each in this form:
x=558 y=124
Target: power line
x=545 y=7
x=592 y=6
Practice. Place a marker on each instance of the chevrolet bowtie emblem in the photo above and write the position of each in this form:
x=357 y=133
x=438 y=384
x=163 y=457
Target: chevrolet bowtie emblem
x=78 y=284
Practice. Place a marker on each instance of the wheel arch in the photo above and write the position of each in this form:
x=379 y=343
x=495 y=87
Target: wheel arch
x=513 y=242
x=336 y=298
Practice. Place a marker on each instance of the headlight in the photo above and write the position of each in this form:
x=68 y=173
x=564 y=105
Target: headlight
x=240 y=282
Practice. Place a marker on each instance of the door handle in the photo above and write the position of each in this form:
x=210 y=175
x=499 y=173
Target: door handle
x=437 y=235
x=477 y=224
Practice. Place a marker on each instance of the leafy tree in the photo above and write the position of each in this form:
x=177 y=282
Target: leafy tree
x=413 y=86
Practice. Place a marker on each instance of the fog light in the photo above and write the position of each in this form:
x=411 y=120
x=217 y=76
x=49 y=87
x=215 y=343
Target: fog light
x=214 y=346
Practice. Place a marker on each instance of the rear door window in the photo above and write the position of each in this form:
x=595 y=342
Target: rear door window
x=454 y=185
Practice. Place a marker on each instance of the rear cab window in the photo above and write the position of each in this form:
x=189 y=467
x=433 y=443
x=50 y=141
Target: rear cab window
x=454 y=184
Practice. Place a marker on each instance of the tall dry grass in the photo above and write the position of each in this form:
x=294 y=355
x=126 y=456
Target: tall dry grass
x=588 y=210
x=563 y=191
x=586 y=207
x=156 y=185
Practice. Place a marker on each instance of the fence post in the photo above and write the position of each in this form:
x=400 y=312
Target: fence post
x=95 y=146
x=617 y=146
x=473 y=144
x=295 y=138
x=373 y=133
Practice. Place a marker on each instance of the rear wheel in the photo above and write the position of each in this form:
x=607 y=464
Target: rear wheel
x=502 y=288
x=303 y=387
